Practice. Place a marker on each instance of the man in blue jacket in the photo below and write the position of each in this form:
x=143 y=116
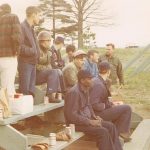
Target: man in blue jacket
x=29 y=53
x=78 y=111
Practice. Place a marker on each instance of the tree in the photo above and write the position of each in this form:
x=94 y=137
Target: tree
x=58 y=11
x=89 y=12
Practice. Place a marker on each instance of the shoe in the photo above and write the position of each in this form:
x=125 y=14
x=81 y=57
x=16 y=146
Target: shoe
x=125 y=138
x=52 y=99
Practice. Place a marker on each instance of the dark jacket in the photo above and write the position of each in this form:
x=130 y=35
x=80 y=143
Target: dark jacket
x=29 y=52
x=99 y=94
x=56 y=59
x=78 y=109
x=10 y=35
x=116 y=68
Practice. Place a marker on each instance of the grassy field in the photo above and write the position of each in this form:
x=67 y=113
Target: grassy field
x=136 y=91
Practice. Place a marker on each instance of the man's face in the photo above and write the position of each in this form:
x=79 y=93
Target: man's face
x=70 y=54
x=79 y=61
x=46 y=44
x=60 y=46
x=36 y=18
x=109 y=50
x=95 y=57
x=87 y=82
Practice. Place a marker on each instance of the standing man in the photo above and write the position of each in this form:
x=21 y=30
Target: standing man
x=115 y=63
x=78 y=111
x=29 y=53
x=120 y=115
x=10 y=37
x=91 y=61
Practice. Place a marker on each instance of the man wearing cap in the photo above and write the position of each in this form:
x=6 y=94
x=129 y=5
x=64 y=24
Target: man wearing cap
x=70 y=70
x=10 y=40
x=56 y=58
x=120 y=115
x=115 y=64
x=44 y=71
x=78 y=111
x=29 y=53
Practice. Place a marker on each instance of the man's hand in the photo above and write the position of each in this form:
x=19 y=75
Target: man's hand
x=99 y=118
x=95 y=123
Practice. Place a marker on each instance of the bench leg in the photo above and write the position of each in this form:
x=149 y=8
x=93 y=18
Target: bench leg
x=11 y=139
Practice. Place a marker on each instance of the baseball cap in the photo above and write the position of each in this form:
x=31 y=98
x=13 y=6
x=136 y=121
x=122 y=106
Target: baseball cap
x=79 y=53
x=103 y=66
x=82 y=74
x=59 y=39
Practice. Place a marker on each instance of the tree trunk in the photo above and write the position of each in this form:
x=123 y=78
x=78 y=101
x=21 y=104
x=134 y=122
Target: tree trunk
x=80 y=27
x=53 y=19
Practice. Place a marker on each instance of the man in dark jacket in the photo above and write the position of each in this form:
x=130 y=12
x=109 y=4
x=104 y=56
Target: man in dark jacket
x=78 y=111
x=120 y=115
x=56 y=58
x=29 y=53
x=10 y=38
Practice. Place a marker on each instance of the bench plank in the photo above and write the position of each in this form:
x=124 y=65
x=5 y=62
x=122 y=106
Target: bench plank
x=37 y=109
x=140 y=137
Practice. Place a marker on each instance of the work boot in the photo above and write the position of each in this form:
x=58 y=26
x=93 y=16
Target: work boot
x=52 y=99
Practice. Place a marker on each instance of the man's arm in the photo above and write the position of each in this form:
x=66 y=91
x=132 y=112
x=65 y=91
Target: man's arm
x=26 y=49
x=16 y=33
x=120 y=73
x=72 y=109
x=70 y=76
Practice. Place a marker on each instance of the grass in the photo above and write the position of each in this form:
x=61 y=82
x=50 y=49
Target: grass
x=136 y=91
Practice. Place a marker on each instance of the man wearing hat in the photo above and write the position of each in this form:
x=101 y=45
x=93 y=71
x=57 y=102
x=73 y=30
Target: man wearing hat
x=44 y=71
x=120 y=115
x=10 y=40
x=56 y=59
x=70 y=70
x=78 y=111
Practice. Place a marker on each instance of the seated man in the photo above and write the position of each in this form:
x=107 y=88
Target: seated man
x=120 y=115
x=68 y=57
x=78 y=111
x=45 y=73
x=70 y=70
x=91 y=61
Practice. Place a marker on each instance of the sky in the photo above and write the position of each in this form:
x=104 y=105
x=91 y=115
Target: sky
x=132 y=21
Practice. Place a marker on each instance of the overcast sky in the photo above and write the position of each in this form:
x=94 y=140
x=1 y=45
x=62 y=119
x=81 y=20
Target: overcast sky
x=132 y=21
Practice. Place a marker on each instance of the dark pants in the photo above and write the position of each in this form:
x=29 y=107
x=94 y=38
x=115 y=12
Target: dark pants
x=27 y=75
x=106 y=136
x=52 y=78
x=120 y=115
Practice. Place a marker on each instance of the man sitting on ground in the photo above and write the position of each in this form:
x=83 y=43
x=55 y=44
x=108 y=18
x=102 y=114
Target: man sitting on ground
x=78 y=111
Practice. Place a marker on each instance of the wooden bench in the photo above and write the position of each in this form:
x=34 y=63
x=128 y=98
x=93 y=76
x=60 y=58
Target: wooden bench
x=140 y=137
x=10 y=138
